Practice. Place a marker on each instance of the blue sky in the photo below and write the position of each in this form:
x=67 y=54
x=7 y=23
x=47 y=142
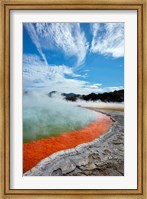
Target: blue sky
x=73 y=57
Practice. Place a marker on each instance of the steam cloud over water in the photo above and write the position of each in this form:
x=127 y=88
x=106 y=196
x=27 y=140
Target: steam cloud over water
x=44 y=116
x=100 y=104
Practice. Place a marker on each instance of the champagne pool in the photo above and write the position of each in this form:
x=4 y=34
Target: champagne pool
x=52 y=125
x=35 y=151
x=44 y=117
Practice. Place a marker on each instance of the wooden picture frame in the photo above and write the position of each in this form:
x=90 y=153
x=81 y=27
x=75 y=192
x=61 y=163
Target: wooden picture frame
x=6 y=6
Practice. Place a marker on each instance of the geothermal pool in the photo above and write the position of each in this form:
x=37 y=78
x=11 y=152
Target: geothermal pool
x=44 y=117
x=35 y=151
x=51 y=125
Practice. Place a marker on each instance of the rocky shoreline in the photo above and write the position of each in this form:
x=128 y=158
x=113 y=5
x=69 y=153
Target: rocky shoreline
x=103 y=156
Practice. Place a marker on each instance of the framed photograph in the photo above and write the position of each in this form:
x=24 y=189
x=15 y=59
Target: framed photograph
x=73 y=99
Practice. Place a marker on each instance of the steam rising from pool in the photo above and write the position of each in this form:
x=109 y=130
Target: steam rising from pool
x=44 y=117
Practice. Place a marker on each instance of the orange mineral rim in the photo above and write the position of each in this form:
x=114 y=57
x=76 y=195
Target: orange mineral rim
x=35 y=151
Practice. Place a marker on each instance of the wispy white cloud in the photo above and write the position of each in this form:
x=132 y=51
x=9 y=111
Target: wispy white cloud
x=35 y=39
x=67 y=37
x=108 y=39
x=37 y=74
x=36 y=70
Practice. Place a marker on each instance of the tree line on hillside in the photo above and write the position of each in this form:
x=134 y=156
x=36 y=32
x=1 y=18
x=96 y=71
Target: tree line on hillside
x=115 y=96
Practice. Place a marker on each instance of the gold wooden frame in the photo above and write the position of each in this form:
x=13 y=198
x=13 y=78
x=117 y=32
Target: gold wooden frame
x=6 y=6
